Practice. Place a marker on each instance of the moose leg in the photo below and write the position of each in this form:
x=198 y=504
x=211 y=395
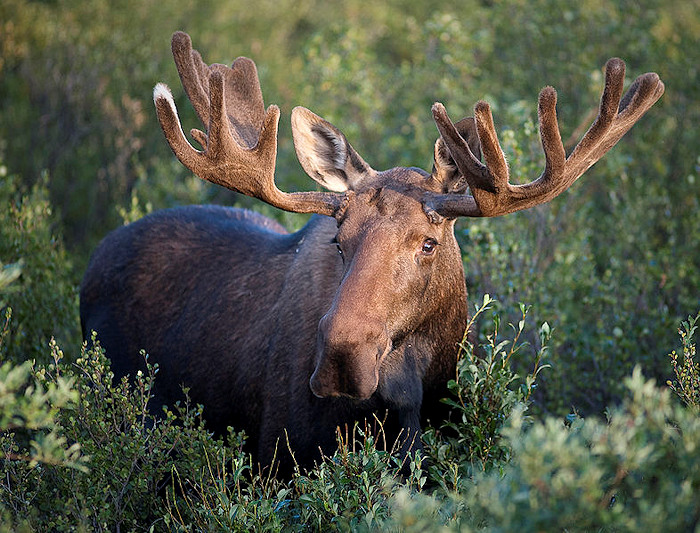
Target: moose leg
x=410 y=437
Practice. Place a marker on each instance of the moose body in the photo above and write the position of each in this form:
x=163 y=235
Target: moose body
x=360 y=313
x=228 y=304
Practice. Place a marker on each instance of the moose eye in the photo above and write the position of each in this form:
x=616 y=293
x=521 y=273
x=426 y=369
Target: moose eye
x=428 y=247
x=337 y=245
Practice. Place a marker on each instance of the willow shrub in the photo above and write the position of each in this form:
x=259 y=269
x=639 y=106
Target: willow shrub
x=125 y=454
x=36 y=281
x=635 y=471
x=490 y=467
x=687 y=371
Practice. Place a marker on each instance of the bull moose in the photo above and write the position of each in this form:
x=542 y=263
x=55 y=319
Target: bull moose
x=290 y=335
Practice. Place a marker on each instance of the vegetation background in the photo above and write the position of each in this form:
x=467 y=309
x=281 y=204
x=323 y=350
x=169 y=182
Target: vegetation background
x=613 y=265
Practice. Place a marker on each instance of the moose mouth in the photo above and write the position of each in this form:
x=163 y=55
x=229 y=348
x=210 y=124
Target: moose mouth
x=349 y=373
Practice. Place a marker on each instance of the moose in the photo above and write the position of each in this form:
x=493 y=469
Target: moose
x=289 y=336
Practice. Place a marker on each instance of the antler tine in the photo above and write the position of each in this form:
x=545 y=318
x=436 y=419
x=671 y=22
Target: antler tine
x=240 y=147
x=474 y=171
x=244 y=101
x=587 y=151
x=194 y=74
x=491 y=192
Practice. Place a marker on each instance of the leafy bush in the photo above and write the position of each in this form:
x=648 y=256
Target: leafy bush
x=351 y=489
x=687 y=371
x=483 y=394
x=638 y=471
x=37 y=279
x=30 y=408
x=126 y=455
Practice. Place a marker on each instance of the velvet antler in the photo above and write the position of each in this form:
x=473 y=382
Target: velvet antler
x=240 y=146
x=491 y=192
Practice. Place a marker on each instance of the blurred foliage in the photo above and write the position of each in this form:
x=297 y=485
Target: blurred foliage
x=29 y=409
x=36 y=275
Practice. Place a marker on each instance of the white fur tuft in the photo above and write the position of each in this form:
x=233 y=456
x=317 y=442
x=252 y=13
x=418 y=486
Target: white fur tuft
x=161 y=90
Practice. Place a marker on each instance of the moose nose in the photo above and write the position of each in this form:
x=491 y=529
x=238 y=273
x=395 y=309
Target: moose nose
x=332 y=382
x=348 y=359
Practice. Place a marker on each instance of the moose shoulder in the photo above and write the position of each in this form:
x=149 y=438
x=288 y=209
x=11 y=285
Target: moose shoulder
x=289 y=336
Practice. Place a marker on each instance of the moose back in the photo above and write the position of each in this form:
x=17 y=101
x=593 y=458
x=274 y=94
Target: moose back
x=288 y=336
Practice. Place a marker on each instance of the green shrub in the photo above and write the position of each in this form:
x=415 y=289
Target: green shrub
x=225 y=495
x=29 y=409
x=483 y=394
x=348 y=490
x=351 y=489
x=687 y=372
x=126 y=455
x=37 y=280
x=637 y=471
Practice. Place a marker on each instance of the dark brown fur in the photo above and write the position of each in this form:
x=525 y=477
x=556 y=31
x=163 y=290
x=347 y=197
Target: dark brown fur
x=229 y=306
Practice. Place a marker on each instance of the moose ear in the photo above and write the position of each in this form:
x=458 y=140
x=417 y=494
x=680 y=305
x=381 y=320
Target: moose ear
x=445 y=170
x=325 y=153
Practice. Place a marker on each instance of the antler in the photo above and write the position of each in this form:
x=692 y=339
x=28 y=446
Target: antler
x=240 y=146
x=492 y=194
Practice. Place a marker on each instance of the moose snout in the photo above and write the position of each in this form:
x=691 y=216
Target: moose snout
x=348 y=359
